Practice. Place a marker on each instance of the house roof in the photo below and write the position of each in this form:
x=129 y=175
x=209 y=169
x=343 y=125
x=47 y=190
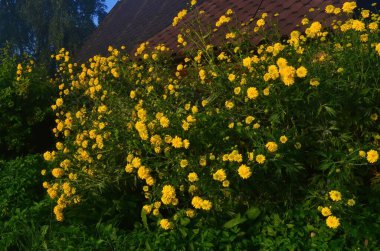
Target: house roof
x=132 y=22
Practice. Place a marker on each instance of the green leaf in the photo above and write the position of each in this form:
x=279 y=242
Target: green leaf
x=234 y=222
x=144 y=219
x=252 y=213
x=184 y=221
x=44 y=230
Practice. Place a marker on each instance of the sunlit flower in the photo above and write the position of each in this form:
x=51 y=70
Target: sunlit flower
x=335 y=195
x=332 y=222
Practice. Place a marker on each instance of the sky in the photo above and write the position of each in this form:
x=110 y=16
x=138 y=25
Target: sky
x=110 y=4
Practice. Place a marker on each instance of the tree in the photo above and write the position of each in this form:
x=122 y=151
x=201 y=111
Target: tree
x=41 y=27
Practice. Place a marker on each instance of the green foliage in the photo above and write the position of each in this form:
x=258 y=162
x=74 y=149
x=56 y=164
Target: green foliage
x=24 y=106
x=20 y=184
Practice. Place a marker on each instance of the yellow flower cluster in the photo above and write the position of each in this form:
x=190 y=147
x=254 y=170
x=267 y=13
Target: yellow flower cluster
x=199 y=203
x=169 y=195
x=179 y=17
x=224 y=18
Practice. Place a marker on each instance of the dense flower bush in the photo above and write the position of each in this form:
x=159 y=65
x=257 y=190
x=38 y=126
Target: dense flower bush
x=226 y=128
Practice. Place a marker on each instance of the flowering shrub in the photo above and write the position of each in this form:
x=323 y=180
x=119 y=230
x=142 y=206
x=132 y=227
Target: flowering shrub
x=225 y=129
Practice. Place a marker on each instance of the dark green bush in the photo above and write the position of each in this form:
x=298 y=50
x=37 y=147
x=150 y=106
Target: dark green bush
x=25 y=119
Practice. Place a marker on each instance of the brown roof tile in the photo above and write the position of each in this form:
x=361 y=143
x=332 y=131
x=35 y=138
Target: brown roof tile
x=129 y=23
x=132 y=22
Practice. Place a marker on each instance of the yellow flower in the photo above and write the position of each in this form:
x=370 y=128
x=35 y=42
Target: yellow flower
x=156 y=212
x=374 y=116
x=219 y=175
x=230 y=35
x=326 y=211
x=301 y=72
x=332 y=222
x=252 y=93
x=249 y=120
x=226 y=183
x=143 y=172
x=202 y=161
x=247 y=62
x=202 y=74
x=260 y=159
x=340 y=70
x=337 y=11
x=193 y=177
x=335 y=195
x=373 y=27
x=183 y=163
x=59 y=102
x=229 y=105
x=358 y=25
x=283 y=139
x=314 y=29
x=102 y=109
x=147 y=209
x=271 y=146
x=314 y=82
x=177 y=142
x=244 y=171
x=197 y=202
x=180 y=67
x=231 y=77
x=190 y=213
x=57 y=172
x=179 y=17
x=150 y=181
x=362 y=154
x=186 y=143
x=164 y=122
x=377 y=48
x=351 y=202
x=156 y=140
x=168 y=194
x=348 y=7
x=165 y=224
x=266 y=91
x=260 y=22
x=229 y=12
x=222 y=20
x=329 y=9
x=287 y=74
x=281 y=62
x=206 y=205
x=372 y=156
x=48 y=156
x=136 y=162
x=128 y=168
